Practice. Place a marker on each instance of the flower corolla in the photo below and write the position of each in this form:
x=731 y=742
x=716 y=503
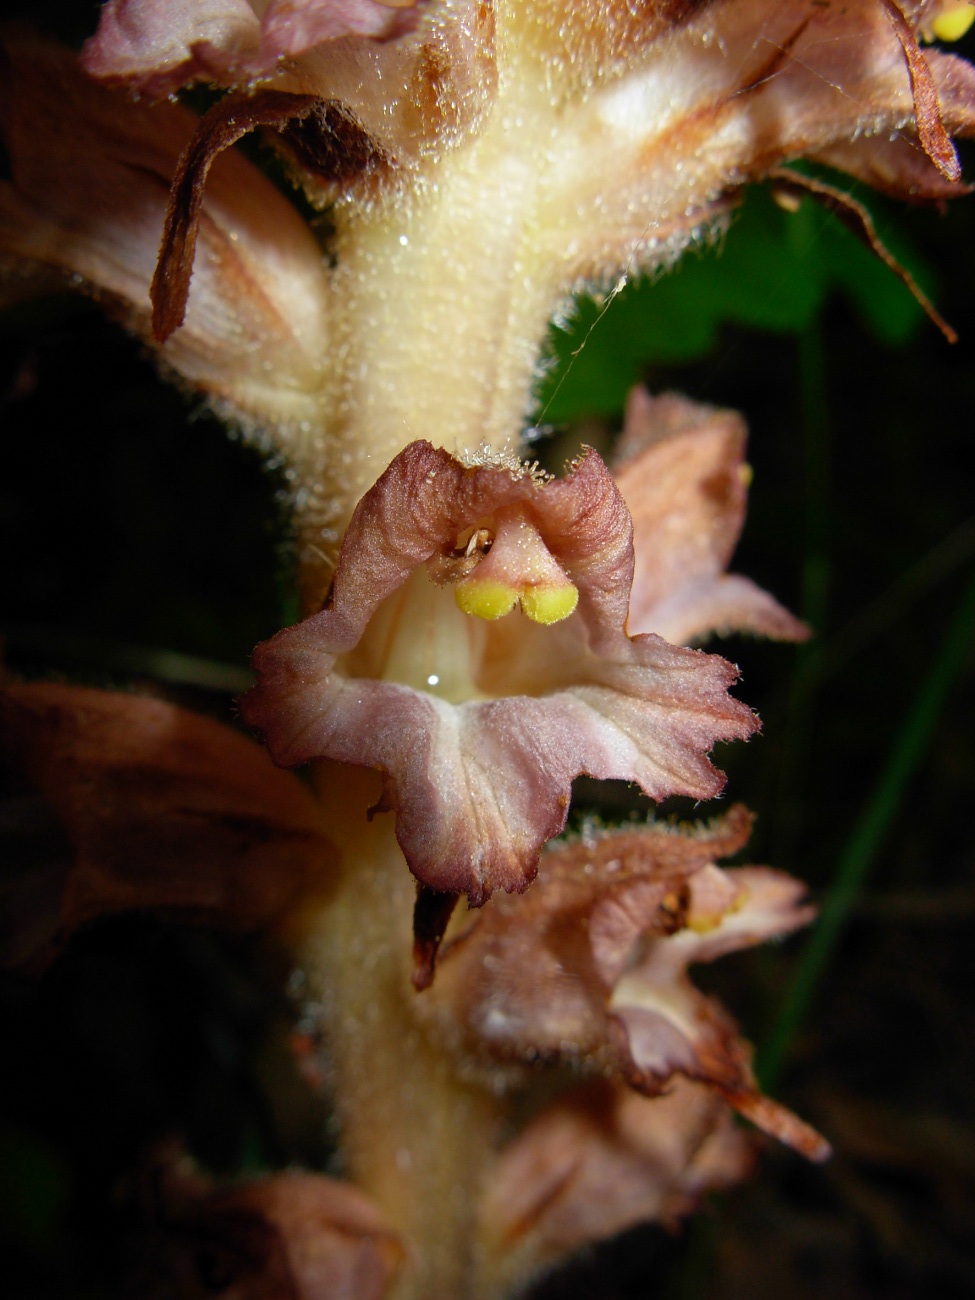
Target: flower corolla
x=479 y=717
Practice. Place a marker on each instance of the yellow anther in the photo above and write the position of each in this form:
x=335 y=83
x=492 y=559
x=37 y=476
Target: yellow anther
x=490 y=600
x=549 y=604
x=952 y=23
x=485 y=599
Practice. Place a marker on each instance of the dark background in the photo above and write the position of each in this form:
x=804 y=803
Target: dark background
x=139 y=545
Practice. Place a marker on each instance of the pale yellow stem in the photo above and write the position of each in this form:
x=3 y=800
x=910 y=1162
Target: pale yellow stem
x=413 y=1135
x=440 y=302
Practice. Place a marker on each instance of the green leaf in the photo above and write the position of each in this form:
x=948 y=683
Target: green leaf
x=774 y=271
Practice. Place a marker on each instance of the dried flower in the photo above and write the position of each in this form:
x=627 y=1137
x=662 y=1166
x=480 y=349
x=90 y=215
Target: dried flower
x=590 y=967
x=602 y=1159
x=287 y=1236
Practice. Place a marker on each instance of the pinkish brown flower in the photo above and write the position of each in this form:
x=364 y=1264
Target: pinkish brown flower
x=159 y=47
x=680 y=468
x=590 y=967
x=602 y=1159
x=782 y=79
x=90 y=173
x=379 y=99
x=636 y=129
x=480 y=724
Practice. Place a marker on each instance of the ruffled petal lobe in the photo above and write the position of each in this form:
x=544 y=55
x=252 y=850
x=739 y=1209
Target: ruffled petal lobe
x=601 y=1160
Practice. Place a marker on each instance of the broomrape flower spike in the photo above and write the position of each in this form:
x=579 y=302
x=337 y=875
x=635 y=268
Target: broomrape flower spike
x=486 y=159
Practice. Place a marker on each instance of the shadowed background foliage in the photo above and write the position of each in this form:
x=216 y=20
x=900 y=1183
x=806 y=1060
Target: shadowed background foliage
x=141 y=547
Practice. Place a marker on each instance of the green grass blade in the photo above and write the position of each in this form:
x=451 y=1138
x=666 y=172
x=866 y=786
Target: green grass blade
x=868 y=834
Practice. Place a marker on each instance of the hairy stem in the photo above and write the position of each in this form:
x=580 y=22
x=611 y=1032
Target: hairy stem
x=412 y=1134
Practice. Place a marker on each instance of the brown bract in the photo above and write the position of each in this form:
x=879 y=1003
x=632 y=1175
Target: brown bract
x=479 y=728
x=123 y=803
x=681 y=470
x=590 y=967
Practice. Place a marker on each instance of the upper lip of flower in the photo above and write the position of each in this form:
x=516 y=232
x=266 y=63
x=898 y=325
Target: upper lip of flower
x=681 y=468
x=161 y=47
x=479 y=784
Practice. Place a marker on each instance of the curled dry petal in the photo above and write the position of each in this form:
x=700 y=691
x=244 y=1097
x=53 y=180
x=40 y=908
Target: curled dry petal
x=895 y=164
x=479 y=726
x=289 y=1236
x=90 y=175
x=130 y=804
x=602 y=1159
x=225 y=124
x=681 y=470
x=591 y=965
x=934 y=139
